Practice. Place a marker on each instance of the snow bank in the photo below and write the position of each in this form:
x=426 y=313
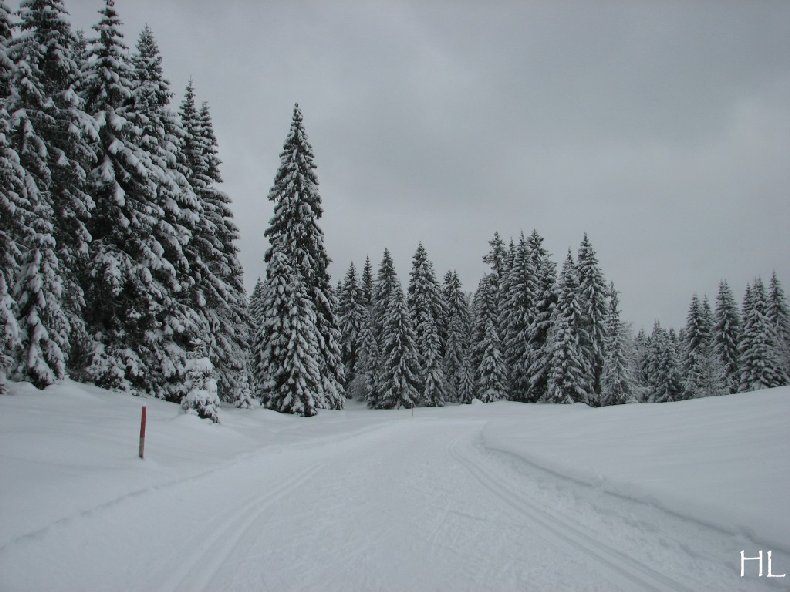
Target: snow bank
x=72 y=448
x=230 y=504
x=721 y=461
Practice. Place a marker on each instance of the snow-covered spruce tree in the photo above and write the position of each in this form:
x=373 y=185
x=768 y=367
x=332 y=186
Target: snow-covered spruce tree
x=486 y=300
x=47 y=105
x=364 y=386
x=758 y=351
x=366 y=283
x=702 y=373
x=43 y=324
x=130 y=283
x=663 y=367
x=432 y=378
x=427 y=309
x=293 y=230
x=726 y=331
x=216 y=290
x=291 y=379
x=13 y=204
x=491 y=372
x=466 y=380
x=384 y=286
x=570 y=380
x=351 y=315
x=399 y=364
x=180 y=319
x=201 y=386
x=617 y=383
x=40 y=56
x=518 y=312
x=640 y=363
x=592 y=299
x=779 y=319
x=257 y=335
x=484 y=309
x=714 y=369
x=458 y=328
x=386 y=281
x=545 y=298
x=496 y=256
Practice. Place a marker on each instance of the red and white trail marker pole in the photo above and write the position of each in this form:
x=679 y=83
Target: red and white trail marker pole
x=142 y=432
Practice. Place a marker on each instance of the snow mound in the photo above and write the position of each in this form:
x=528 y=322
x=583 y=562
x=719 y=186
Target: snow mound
x=720 y=461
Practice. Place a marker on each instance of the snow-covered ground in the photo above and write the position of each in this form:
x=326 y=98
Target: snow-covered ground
x=479 y=497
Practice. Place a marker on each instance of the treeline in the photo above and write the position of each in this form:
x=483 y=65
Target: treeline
x=120 y=268
x=721 y=350
x=530 y=334
x=117 y=245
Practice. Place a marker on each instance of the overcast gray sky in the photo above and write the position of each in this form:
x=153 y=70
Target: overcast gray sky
x=661 y=128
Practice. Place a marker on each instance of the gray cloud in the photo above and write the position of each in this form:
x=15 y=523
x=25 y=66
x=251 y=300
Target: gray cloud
x=661 y=128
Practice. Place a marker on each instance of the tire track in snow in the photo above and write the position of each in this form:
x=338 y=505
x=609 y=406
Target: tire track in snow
x=626 y=570
x=225 y=532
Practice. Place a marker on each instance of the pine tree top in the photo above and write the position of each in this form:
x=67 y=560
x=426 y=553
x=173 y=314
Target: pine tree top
x=152 y=87
x=210 y=144
x=108 y=83
x=496 y=257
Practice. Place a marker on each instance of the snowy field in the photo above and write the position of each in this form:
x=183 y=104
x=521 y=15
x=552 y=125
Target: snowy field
x=480 y=497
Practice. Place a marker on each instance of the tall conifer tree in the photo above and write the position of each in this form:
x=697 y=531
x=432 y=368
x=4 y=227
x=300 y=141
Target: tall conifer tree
x=702 y=373
x=293 y=231
x=181 y=321
x=759 y=354
x=226 y=308
x=48 y=135
x=400 y=365
x=257 y=336
x=366 y=283
x=384 y=286
x=491 y=373
x=54 y=112
x=592 y=299
x=570 y=378
x=131 y=283
x=351 y=316
x=13 y=204
x=518 y=315
x=617 y=383
x=664 y=367
x=427 y=310
x=458 y=328
x=364 y=386
x=726 y=334
x=779 y=319
x=545 y=299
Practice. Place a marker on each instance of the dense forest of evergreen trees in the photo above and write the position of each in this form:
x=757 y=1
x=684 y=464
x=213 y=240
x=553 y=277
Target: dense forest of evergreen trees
x=118 y=247
x=529 y=333
x=120 y=268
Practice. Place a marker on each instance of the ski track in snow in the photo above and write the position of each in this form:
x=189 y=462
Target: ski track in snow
x=410 y=504
x=223 y=537
x=625 y=570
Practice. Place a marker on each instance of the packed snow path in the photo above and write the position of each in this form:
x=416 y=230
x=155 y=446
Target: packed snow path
x=392 y=503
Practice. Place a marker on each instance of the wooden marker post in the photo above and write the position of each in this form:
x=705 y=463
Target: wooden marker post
x=142 y=432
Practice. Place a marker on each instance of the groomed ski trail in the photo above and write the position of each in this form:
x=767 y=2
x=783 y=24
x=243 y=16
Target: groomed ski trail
x=408 y=504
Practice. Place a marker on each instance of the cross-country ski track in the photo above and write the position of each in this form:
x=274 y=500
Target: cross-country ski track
x=378 y=501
